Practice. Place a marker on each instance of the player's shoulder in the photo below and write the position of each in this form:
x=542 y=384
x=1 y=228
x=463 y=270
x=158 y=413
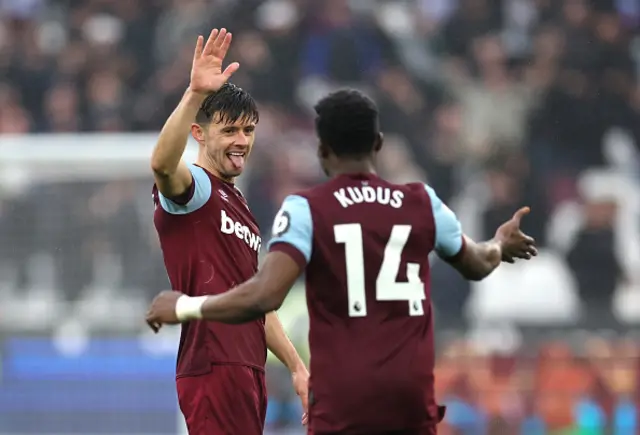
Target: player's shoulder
x=413 y=190
x=430 y=194
x=415 y=187
x=195 y=198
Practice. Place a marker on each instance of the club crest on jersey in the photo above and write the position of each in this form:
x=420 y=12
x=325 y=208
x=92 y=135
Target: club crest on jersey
x=229 y=226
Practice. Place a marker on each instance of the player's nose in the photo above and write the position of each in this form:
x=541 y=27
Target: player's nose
x=242 y=139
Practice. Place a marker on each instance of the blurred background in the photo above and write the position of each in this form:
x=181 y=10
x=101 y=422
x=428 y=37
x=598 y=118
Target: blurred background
x=495 y=103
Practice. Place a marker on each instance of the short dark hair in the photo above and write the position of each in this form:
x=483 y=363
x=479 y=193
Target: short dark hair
x=229 y=104
x=347 y=122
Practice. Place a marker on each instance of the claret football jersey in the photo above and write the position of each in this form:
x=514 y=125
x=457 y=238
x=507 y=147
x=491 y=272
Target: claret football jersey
x=364 y=244
x=210 y=243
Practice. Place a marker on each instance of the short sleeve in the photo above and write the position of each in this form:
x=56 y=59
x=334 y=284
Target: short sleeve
x=293 y=229
x=449 y=241
x=201 y=194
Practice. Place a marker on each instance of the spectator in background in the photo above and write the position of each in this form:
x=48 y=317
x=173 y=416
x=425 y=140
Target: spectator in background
x=339 y=46
x=594 y=245
x=62 y=109
x=472 y=19
x=494 y=105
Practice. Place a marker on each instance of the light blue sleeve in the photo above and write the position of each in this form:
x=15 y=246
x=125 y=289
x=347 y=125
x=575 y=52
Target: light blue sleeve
x=448 y=228
x=293 y=225
x=201 y=194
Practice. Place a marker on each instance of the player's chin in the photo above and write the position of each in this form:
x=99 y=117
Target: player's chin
x=230 y=171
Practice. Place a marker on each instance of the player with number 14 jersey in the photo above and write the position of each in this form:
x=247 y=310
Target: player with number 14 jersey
x=363 y=244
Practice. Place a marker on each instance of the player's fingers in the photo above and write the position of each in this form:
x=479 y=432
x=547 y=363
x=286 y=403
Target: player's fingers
x=305 y=419
x=528 y=247
x=209 y=46
x=230 y=70
x=154 y=326
x=520 y=214
x=217 y=44
x=224 y=46
x=199 y=46
x=528 y=252
x=508 y=260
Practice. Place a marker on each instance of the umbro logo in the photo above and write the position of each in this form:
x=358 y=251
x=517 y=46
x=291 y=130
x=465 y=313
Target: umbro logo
x=223 y=195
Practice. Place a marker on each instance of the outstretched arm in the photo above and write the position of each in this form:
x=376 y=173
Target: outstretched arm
x=250 y=300
x=261 y=294
x=289 y=253
x=476 y=261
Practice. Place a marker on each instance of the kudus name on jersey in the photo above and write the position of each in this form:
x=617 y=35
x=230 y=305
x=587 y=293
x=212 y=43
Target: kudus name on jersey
x=367 y=194
x=229 y=226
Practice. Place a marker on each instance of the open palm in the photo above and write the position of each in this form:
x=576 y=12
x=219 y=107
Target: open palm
x=207 y=75
x=515 y=243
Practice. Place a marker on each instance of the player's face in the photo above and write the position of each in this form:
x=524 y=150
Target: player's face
x=228 y=146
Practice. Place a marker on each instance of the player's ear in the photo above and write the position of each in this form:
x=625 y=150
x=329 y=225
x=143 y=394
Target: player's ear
x=377 y=146
x=198 y=133
x=323 y=151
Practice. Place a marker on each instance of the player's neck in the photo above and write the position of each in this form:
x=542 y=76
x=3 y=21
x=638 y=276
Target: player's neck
x=352 y=167
x=210 y=168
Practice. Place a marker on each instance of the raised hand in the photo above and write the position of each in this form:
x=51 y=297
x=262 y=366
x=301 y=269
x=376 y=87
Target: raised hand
x=207 y=75
x=515 y=244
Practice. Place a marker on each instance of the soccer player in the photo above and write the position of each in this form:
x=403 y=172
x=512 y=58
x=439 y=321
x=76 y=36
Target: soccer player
x=364 y=244
x=210 y=242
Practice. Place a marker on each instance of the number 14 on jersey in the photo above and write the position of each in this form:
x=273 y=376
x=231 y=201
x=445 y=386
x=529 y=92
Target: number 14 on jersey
x=387 y=288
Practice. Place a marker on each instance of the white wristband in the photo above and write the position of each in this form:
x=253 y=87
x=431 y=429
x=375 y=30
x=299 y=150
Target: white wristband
x=189 y=308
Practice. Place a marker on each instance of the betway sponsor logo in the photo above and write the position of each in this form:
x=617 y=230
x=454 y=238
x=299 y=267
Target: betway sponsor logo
x=229 y=226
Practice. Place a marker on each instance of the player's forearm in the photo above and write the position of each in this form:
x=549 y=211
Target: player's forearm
x=175 y=133
x=479 y=259
x=280 y=345
x=231 y=308
x=251 y=300
x=235 y=306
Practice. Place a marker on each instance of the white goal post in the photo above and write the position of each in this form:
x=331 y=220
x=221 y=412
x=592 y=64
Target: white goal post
x=66 y=157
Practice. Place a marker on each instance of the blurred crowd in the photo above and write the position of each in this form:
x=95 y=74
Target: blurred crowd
x=495 y=103
x=577 y=387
